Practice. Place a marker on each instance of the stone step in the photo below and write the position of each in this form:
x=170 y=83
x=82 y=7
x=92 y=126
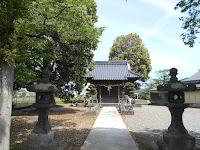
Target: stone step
x=101 y=105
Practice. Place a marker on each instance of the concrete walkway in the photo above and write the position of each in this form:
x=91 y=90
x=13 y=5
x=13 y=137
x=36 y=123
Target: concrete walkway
x=109 y=133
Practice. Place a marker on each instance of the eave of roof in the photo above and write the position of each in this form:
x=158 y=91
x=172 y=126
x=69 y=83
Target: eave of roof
x=112 y=70
x=195 y=78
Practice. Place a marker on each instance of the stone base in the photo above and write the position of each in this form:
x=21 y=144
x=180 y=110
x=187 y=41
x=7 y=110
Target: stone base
x=161 y=145
x=176 y=142
x=127 y=112
x=126 y=109
x=91 y=109
x=41 y=142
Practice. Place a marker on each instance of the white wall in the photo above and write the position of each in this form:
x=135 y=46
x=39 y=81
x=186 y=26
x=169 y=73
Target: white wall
x=192 y=97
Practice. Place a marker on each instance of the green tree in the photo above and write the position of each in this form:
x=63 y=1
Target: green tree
x=9 y=12
x=190 y=20
x=91 y=90
x=129 y=86
x=61 y=33
x=38 y=33
x=149 y=84
x=131 y=47
x=162 y=77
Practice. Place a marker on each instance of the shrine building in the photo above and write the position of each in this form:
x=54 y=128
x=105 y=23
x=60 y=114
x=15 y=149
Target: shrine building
x=109 y=78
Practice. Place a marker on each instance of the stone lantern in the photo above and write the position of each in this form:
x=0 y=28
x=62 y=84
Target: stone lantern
x=42 y=137
x=176 y=137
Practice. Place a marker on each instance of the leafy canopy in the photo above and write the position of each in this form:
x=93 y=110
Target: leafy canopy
x=91 y=90
x=129 y=86
x=9 y=12
x=60 y=33
x=131 y=47
x=162 y=77
x=190 y=20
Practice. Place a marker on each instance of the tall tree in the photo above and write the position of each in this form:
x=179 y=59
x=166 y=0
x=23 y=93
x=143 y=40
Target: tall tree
x=9 y=12
x=62 y=33
x=38 y=32
x=190 y=19
x=131 y=47
x=129 y=86
x=162 y=77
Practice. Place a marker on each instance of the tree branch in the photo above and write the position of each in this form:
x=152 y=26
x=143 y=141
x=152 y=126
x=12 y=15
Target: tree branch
x=61 y=11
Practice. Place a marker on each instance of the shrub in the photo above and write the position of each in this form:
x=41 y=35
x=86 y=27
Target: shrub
x=129 y=86
x=91 y=90
x=66 y=99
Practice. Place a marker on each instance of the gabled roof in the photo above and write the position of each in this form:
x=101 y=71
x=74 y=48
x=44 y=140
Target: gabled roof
x=112 y=70
x=195 y=78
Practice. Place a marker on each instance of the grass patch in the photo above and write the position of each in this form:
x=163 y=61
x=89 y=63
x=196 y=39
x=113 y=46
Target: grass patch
x=15 y=146
x=24 y=100
x=31 y=100
x=77 y=99
x=58 y=100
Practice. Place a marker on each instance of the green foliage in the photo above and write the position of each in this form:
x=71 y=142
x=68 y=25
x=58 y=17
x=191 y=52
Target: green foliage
x=190 y=20
x=131 y=47
x=162 y=77
x=91 y=90
x=66 y=99
x=134 y=96
x=129 y=86
x=62 y=33
x=77 y=99
x=58 y=100
x=9 y=12
x=144 y=96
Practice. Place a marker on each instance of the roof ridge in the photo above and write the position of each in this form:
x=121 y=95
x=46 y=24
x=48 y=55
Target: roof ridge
x=111 y=62
x=134 y=72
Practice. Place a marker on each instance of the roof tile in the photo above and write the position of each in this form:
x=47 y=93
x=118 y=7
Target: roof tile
x=112 y=70
x=194 y=78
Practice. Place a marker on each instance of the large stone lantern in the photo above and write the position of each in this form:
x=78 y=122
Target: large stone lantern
x=42 y=137
x=176 y=137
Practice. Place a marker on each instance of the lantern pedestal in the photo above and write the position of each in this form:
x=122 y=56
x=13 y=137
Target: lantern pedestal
x=177 y=137
x=42 y=137
x=37 y=141
x=42 y=126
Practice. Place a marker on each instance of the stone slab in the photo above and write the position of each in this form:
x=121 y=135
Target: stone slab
x=41 y=142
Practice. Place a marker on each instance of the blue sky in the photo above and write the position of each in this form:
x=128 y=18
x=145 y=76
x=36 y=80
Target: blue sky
x=157 y=24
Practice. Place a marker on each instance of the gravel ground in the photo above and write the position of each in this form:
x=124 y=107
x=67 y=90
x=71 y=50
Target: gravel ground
x=148 y=123
x=71 y=124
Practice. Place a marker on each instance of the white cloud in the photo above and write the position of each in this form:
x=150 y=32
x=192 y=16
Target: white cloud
x=148 y=32
x=166 y=5
x=167 y=60
x=103 y=51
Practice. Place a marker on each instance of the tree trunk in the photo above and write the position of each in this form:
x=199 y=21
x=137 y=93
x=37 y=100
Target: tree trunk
x=6 y=88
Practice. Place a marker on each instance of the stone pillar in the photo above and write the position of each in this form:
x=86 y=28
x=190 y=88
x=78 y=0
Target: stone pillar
x=99 y=94
x=118 y=93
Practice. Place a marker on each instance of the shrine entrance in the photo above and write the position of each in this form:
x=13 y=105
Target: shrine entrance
x=109 y=78
x=109 y=96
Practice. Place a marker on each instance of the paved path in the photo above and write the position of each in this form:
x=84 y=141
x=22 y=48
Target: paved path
x=109 y=133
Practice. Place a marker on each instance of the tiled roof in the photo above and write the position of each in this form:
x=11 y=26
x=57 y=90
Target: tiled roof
x=112 y=70
x=195 y=78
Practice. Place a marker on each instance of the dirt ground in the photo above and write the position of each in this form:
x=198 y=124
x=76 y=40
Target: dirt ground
x=71 y=124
